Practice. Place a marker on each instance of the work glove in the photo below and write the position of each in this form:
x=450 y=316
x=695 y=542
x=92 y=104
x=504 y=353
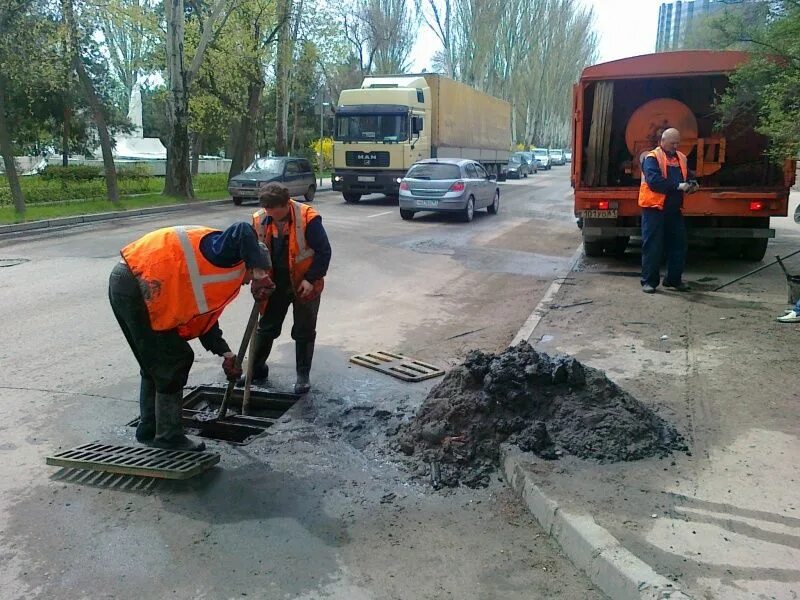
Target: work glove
x=262 y=288
x=232 y=371
x=684 y=186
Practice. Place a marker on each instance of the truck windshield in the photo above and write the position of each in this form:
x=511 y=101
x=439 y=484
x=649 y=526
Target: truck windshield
x=372 y=127
x=434 y=171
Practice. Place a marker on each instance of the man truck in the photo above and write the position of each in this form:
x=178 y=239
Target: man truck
x=390 y=122
x=620 y=110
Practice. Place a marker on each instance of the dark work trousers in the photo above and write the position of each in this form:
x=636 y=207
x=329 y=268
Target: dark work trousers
x=164 y=357
x=663 y=234
x=305 y=315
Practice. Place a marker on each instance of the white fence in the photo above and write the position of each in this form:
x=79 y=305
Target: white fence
x=29 y=165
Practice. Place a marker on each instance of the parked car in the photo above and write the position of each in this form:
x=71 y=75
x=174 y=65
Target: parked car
x=543 y=158
x=568 y=155
x=557 y=157
x=518 y=166
x=532 y=162
x=455 y=185
x=296 y=174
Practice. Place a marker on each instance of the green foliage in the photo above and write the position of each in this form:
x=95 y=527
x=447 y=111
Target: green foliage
x=768 y=86
x=71 y=173
x=40 y=190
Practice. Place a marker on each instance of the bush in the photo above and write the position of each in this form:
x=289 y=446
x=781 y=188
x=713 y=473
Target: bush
x=135 y=171
x=210 y=182
x=71 y=173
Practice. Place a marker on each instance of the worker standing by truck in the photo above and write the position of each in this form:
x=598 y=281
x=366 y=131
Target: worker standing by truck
x=301 y=254
x=171 y=286
x=664 y=182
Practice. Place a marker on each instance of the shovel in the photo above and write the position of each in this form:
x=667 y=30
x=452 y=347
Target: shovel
x=248 y=333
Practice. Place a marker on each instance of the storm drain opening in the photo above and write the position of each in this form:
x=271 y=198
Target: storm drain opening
x=201 y=404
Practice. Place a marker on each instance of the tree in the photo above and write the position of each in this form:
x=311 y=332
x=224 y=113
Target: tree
x=768 y=86
x=381 y=34
x=178 y=180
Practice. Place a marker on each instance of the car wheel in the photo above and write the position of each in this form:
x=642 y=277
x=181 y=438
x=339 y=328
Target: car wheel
x=469 y=210
x=310 y=193
x=526 y=175
x=352 y=198
x=237 y=201
x=406 y=214
x=494 y=207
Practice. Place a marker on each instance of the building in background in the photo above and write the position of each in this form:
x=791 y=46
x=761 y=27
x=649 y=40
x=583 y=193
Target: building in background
x=675 y=19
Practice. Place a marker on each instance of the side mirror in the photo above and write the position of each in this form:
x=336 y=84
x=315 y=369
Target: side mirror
x=416 y=125
x=491 y=177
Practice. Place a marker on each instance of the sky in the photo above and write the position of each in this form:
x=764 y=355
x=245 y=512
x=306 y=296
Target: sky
x=625 y=28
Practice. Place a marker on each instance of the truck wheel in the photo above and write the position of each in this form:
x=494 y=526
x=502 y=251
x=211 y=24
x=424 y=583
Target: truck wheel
x=755 y=249
x=352 y=198
x=729 y=248
x=237 y=201
x=469 y=210
x=310 y=192
x=406 y=214
x=593 y=248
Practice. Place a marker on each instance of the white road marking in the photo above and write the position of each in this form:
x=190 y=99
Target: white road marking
x=388 y=212
x=526 y=331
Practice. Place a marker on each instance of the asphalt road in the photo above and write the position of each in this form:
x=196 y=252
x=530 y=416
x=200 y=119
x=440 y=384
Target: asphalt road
x=320 y=508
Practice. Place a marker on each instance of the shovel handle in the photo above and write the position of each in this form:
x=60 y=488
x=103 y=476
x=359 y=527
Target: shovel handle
x=780 y=263
x=248 y=333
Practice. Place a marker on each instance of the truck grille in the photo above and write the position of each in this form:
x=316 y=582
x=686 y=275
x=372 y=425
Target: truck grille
x=366 y=159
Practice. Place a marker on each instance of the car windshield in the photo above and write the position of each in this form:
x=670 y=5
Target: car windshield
x=555 y=152
x=515 y=160
x=540 y=152
x=372 y=127
x=434 y=171
x=267 y=165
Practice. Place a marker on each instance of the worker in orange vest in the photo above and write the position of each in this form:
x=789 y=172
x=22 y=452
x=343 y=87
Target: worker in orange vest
x=171 y=286
x=665 y=179
x=301 y=254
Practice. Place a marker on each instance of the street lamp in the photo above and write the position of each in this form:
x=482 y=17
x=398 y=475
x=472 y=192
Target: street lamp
x=322 y=106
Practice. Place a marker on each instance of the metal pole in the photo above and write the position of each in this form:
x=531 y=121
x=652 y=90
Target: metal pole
x=753 y=272
x=321 y=133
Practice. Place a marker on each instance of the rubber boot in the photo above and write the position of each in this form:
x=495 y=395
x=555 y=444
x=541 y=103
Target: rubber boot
x=304 y=353
x=169 y=429
x=261 y=352
x=146 y=429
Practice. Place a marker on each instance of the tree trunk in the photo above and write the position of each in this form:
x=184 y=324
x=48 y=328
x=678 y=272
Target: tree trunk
x=244 y=151
x=96 y=106
x=282 y=59
x=178 y=180
x=197 y=147
x=65 y=132
x=7 y=150
x=295 y=125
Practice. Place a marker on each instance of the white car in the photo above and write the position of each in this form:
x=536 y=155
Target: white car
x=543 y=158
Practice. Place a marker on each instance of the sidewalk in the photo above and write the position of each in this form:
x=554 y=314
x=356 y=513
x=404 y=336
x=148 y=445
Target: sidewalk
x=62 y=222
x=722 y=522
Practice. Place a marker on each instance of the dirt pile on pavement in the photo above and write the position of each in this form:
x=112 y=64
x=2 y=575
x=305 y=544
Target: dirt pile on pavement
x=543 y=404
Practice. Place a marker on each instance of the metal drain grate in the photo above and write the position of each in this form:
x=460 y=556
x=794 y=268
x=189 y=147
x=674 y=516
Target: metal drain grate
x=201 y=404
x=107 y=481
x=397 y=365
x=135 y=460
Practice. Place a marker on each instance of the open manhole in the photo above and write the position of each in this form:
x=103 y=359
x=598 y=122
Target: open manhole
x=201 y=404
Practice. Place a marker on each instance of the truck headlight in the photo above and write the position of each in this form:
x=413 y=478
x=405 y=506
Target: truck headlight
x=399 y=179
x=337 y=178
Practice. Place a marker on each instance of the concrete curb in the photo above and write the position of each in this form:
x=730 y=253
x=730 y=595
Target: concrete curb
x=590 y=547
x=63 y=222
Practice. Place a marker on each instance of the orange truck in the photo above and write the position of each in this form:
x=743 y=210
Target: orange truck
x=620 y=110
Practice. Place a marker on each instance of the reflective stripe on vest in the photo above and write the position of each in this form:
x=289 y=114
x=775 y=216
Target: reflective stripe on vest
x=197 y=280
x=647 y=197
x=303 y=251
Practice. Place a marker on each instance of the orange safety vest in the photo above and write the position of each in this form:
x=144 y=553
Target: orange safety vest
x=181 y=288
x=647 y=197
x=300 y=254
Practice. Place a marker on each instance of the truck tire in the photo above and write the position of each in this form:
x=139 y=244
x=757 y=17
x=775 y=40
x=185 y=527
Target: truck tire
x=352 y=198
x=237 y=201
x=406 y=214
x=754 y=249
x=593 y=248
x=729 y=248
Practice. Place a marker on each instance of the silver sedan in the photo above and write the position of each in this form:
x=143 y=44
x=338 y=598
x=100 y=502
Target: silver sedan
x=453 y=185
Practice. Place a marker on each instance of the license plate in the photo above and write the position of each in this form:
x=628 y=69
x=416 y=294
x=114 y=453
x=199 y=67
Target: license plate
x=428 y=203
x=611 y=213
x=365 y=178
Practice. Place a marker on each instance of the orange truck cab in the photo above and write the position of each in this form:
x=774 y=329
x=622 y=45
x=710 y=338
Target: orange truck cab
x=620 y=110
